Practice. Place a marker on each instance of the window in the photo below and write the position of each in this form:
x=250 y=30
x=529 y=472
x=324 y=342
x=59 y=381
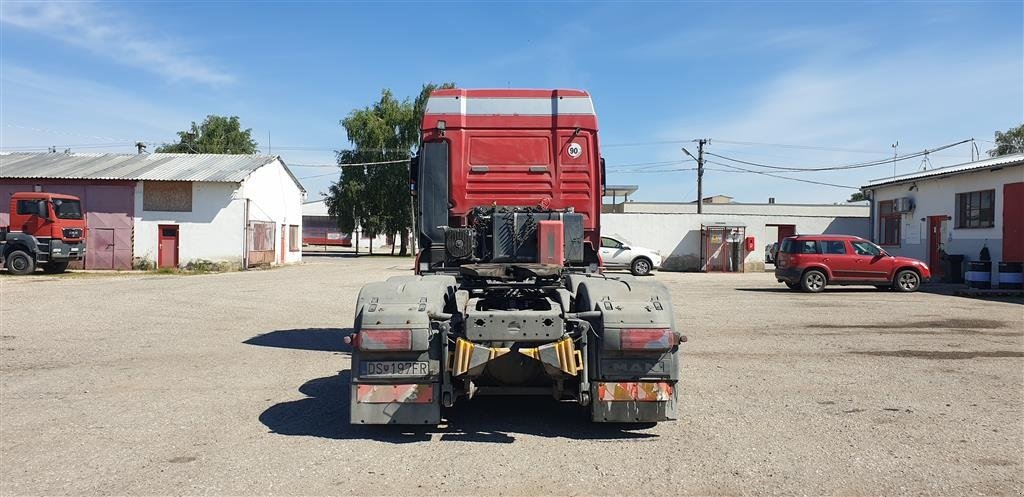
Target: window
x=67 y=209
x=791 y=246
x=167 y=196
x=293 y=238
x=27 y=207
x=976 y=209
x=833 y=247
x=610 y=243
x=866 y=248
x=889 y=223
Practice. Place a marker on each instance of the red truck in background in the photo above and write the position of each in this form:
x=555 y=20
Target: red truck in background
x=46 y=230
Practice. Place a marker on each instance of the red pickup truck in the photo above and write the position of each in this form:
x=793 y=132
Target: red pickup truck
x=810 y=262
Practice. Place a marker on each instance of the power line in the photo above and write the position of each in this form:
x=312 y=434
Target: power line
x=845 y=166
x=740 y=169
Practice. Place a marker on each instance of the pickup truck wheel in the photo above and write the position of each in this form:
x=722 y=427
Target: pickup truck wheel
x=20 y=262
x=813 y=281
x=55 y=267
x=906 y=281
x=640 y=266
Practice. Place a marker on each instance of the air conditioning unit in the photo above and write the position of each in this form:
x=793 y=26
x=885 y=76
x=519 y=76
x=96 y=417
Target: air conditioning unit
x=904 y=204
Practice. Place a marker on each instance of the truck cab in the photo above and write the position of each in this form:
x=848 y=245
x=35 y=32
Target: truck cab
x=45 y=230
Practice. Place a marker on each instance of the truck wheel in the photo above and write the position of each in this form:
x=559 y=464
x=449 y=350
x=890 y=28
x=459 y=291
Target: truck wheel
x=813 y=281
x=55 y=267
x=906 y=281
x=640 y=266
x=19 y=262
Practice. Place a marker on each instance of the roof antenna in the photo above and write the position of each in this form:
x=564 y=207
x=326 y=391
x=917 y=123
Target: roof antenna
x=926 y=163
x=141 y=146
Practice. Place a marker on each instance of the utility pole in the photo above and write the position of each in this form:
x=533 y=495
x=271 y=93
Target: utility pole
x=700 y=175
x=700 y=171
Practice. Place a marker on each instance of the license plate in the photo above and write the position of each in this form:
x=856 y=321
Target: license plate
x=394 y=368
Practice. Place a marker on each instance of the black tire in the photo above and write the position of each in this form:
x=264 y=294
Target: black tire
x=641 y=266
x=792 y=286
x=906 y=281
x=55 y=267
x=20 y=262
x=813 y=281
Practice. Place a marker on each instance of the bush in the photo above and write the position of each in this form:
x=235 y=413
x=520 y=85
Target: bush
x=143 y=264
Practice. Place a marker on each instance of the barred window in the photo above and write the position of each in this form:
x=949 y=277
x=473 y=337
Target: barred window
x=976 y=209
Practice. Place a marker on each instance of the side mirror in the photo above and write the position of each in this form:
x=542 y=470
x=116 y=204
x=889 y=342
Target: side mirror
x=42 y=210
x=625 y=247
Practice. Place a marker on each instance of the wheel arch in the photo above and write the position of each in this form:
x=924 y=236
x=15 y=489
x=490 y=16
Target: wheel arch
x=818 y=267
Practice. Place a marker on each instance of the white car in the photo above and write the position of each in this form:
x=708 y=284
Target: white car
x=617 y=254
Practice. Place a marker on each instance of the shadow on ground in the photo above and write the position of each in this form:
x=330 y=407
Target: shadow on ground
x=325 y=413
x=321 y=339
x=829 y=289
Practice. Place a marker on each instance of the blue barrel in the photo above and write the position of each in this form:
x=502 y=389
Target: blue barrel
x=979 y=274
x=1011 y=275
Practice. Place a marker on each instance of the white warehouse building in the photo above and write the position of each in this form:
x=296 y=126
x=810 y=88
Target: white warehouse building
x=171 y=210
x=954 y=210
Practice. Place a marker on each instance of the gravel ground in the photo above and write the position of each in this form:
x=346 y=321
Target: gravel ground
x=236 y=384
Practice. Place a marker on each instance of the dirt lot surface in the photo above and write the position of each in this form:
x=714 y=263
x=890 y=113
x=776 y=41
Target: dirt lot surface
x=236 y=384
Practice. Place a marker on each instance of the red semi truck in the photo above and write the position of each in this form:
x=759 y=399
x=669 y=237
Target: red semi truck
x=507 y=297
x=45 y=230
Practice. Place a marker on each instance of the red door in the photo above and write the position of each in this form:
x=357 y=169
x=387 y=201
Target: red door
x=100 y=249
x=1013 y=222
x=167 y=250
x=935 y=243
x=786 y=231
x=284 y=241
x=839 y=259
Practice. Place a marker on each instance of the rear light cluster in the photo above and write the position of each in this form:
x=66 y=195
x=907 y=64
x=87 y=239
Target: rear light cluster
x=383 y=339
x=649 y=339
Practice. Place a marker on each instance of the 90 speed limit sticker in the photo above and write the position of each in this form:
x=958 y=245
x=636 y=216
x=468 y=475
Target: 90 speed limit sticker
x=575 y=150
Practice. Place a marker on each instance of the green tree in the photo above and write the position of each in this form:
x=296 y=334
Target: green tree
x=216 y=135
x=376 y=197
x=857 y=197
x=1010 y=142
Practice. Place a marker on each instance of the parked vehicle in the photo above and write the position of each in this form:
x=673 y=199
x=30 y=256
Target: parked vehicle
x=506 y=298
x=616 y=253
x=45 y=230
x=810 y=262
x=771 y=252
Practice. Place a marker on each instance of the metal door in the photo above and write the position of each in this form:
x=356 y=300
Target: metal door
x=1013 y=222
x=100 y=248
x=167 y=249
x=935 y=231
x=284 y=242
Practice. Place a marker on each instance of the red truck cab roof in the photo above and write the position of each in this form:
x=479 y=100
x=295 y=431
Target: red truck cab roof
x=42 y=196
x=519 y=147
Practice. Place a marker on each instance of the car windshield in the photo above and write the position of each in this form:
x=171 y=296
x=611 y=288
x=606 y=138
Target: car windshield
x=864 y=247
x=67 y=209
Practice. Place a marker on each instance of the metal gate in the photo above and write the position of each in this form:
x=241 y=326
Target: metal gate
x=722 y=248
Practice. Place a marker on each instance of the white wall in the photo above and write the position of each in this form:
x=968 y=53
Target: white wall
x=212 y=231
x=677 y=236
x=860 y=209
x=274 y=197
x=937 y=197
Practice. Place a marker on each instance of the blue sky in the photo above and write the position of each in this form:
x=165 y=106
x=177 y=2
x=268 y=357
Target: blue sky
x=849 y=78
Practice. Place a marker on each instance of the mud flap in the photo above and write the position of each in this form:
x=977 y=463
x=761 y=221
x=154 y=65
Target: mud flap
x=633 y=402
x=409 y=404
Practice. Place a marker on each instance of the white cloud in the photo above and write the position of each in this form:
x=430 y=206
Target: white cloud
x=114 y=37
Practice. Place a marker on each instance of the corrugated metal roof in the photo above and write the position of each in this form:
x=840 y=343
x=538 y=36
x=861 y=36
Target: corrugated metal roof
x=152 y=167
x=1001 y=161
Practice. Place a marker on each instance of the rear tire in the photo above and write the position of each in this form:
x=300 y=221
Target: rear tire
x=55 y=267
x=640 y=266
x=813 y=281
x=906 y=281
x=20 y=262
